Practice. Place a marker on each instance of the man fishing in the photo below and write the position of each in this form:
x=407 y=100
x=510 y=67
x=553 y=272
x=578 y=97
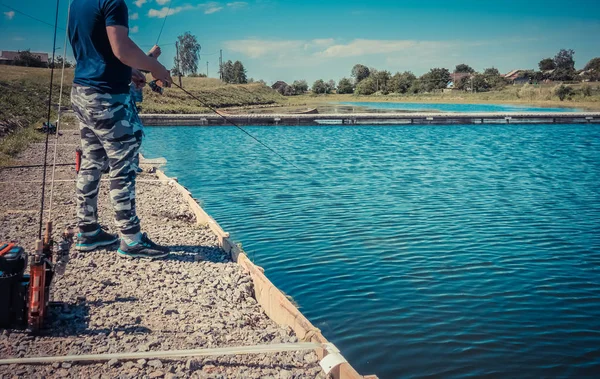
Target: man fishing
x=110 y=129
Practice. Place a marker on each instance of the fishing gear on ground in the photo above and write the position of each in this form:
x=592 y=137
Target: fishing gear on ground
x=24 y=298
x=47 y=128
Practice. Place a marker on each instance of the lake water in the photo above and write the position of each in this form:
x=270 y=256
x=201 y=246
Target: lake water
x=452 y=251
x=469 y=108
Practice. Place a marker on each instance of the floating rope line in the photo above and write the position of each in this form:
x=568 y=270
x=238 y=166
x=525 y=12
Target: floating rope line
x=74 y=180
x=62 y=80
x=49 y=111
x=35 y=166
x=237 y=350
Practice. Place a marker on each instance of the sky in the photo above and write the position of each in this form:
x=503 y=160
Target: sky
x=309 y=39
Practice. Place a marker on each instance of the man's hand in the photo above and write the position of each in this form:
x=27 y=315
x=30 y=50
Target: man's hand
x=155 y=52
x=162 y=75
x=138 y=78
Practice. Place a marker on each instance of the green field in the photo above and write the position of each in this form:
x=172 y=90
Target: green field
x=24 y=94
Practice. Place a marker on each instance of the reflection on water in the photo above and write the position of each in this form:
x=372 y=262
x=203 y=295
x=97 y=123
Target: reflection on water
x=449 y=251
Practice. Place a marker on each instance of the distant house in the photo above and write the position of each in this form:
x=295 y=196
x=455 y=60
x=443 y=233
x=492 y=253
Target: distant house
x=279 y=85
x=517 y=77
x=8 y=57
x=283 y=88
x=456 y=77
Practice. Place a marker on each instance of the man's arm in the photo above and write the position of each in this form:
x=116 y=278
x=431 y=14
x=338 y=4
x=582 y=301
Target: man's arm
x=131 y=55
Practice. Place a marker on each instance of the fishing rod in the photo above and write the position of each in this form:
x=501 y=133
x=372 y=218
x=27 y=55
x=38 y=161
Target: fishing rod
x=49 y=111
x=205 y=104
x=164 y=22
x=156 y=88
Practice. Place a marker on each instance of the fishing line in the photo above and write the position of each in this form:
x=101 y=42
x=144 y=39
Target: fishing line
x=164 y=22
x=220 y=115
x=62 y=80
x=239 y=127
x=48 y=134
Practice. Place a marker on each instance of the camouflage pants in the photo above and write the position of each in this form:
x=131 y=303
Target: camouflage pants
x=111 y=134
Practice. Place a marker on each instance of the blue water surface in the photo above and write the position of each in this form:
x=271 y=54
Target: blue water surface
x=468 y=108
x=447 y=251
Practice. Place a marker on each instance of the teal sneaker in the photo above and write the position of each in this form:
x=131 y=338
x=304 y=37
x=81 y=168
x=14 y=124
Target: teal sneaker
x=92 y=242
x=143 y=249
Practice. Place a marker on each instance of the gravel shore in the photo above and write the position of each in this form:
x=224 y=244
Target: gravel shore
x=196 y=298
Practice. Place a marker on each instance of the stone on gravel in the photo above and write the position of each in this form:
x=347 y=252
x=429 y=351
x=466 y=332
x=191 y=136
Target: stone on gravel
x=195 y=298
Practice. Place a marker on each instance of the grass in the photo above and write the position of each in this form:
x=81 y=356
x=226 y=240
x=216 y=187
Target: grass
x=24 y=94
x=24 y=106
x=542 y=96
x=211 y=91
x=24 y=102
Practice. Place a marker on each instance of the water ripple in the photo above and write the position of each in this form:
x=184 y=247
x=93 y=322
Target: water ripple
x=420 y=251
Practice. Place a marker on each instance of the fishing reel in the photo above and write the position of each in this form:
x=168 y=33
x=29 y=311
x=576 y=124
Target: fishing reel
x=155 y=87
x=24 y=297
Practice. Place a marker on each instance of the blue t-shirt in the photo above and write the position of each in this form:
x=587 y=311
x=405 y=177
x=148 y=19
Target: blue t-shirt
x=97 y=66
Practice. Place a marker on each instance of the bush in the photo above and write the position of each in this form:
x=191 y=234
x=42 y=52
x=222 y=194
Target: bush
x=367 y=86
x=527 y=92
x=563 y=92
x=320 y=87
x=586 y=90
x=345 y=86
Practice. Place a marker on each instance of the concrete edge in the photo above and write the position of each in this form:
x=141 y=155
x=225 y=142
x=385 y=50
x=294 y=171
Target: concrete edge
x=275 y=304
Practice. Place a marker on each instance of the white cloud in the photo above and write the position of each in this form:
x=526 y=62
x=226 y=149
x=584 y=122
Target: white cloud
x=209 y=8
x=135 y=16
x=9 y=15
x=237 y=5
x=162 y=2
x=165 y=11
x=18 y=39
x=360 y=47
x=135 y=29
x=256 y=48
x=212 y=10
x=139 y=3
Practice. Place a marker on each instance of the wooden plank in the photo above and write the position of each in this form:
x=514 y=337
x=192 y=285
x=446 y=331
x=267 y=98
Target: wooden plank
x=275 y=304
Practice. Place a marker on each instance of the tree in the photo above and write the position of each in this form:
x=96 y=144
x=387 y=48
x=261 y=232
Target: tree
x=593 y=64
x=300 y=86
x=26 y=59
x=563 y=75
x=189 y=54
x=59 y=62
x=464 y=68
x=564 y=60
x=239 y=73
x=435 y=79
x=319 y=87
x=360 y=72
x=563 y=92
x=401 y=83
x=480 y=83
x=382 y=79
x=494 y=78
x=463 y=84
x=547 y=64
x=330 y=86
x=283 y=88
x=227 y=74
x=367 y=86
x=234 y=73
x=593 y=70
x=345 y=86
